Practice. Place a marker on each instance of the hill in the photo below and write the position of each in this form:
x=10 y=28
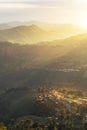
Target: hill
x=44 y=102
x=26 y=69
x=22 y=34
x=37 y=33
x=62 y=63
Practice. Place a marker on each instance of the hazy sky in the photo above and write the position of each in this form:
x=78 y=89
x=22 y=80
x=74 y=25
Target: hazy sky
x=65 y=11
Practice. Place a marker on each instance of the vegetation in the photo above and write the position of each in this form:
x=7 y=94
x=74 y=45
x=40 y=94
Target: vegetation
x=43 y=65
x=53 y=109
x=49 y=124
x=32 y=77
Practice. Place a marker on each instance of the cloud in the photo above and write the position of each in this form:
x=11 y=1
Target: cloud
x=43 y=10
x=31 y=4
x=34 y=3
x=66 y=4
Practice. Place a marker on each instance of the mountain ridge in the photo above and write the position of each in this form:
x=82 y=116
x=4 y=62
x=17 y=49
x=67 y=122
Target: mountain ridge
x=34 y=33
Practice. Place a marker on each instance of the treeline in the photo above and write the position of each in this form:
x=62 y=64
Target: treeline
x=50 y=124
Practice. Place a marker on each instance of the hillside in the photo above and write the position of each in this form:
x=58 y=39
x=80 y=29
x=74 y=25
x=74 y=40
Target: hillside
x=30 y=73
x=62 y=62
x=37 y=33
x=44 y=103
x=23 y=34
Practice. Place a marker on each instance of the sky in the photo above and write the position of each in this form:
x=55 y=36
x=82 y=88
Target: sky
x=54 y=11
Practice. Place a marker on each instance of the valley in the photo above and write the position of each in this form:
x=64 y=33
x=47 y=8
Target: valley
x=44 y=81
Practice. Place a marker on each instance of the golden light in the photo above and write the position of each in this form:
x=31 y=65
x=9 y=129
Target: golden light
x=82 y=1
x=84 y=23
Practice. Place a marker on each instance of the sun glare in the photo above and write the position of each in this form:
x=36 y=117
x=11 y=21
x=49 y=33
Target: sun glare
x=84 y=24
x=82 y=1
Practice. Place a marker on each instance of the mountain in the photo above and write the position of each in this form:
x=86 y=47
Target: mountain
x=38 y=33
x=61 y=63
x=22 y=34
x=48 y=26
x=29 y=73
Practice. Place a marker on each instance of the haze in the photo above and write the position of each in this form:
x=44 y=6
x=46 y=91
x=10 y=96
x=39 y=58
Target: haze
x=54 y=11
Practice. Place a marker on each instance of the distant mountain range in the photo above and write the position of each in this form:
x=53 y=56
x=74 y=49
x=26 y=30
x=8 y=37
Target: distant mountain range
x=44 y=25
x=28 y=33
x=22 y=34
